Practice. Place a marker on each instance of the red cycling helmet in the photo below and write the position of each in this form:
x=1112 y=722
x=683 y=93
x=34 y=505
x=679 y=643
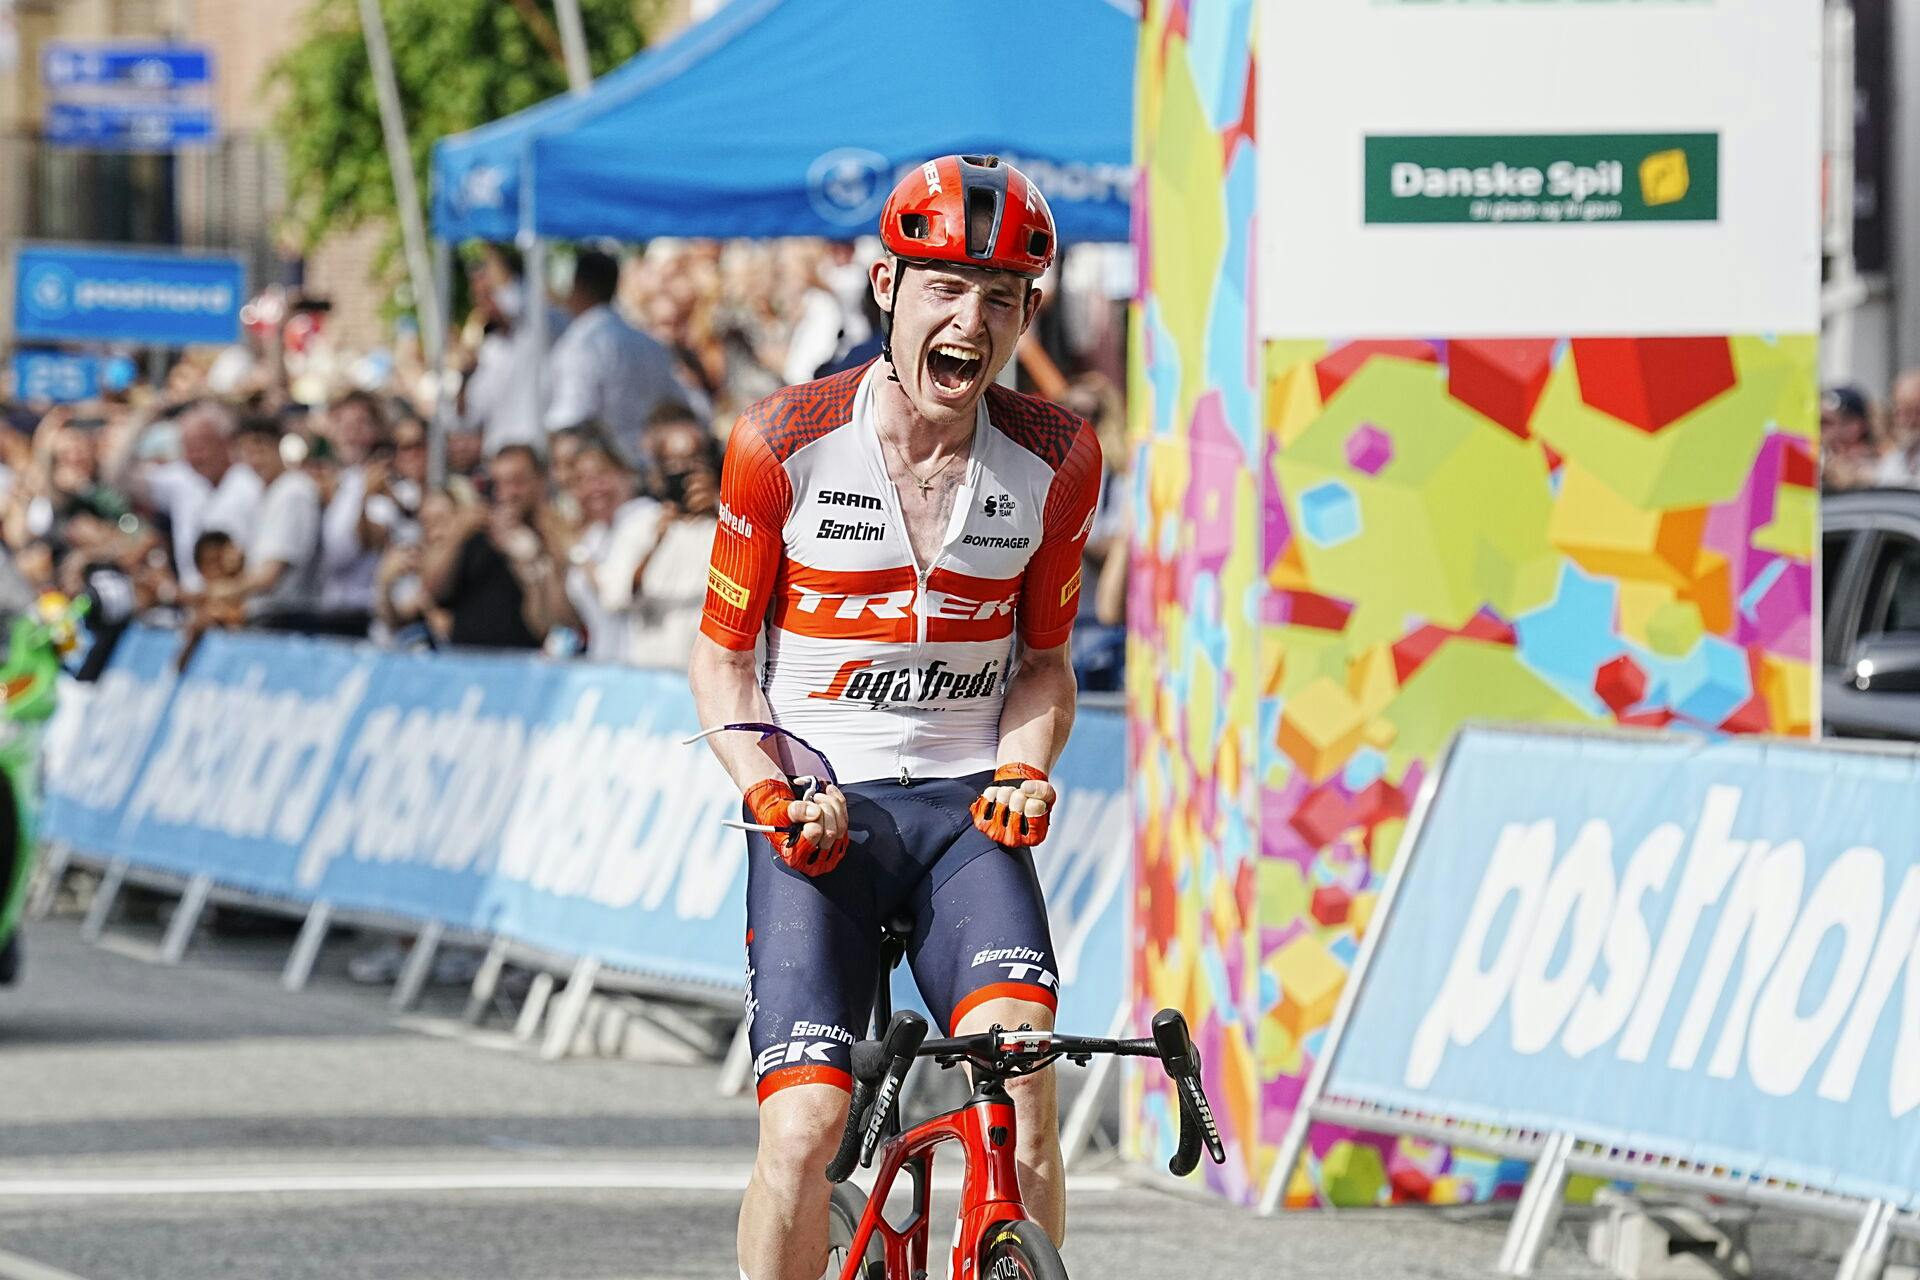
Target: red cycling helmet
x=971 y=211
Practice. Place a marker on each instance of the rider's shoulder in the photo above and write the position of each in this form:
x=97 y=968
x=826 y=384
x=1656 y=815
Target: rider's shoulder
x=1037 y=425
x=794 y=417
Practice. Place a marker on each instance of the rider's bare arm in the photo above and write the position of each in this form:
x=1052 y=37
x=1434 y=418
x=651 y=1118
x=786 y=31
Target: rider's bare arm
x=726 y=690
x=1038 y=713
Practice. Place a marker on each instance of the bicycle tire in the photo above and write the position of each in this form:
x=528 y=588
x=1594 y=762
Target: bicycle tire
x=844 y=1212
x=1020 y=1251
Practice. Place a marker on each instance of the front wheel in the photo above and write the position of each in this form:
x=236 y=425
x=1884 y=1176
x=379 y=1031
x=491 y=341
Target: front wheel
x=1020 y=1251
x=843 y=1221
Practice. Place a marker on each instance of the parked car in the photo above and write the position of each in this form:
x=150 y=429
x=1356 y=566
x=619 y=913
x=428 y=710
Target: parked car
x=1870 y=613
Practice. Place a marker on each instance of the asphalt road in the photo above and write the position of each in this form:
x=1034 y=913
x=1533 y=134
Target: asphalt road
x=173 y=1124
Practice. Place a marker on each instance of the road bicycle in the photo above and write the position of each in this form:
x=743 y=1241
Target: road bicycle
x=994 y=1238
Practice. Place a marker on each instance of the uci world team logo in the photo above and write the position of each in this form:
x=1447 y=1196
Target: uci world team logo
x=848 y=185
x=49 y=290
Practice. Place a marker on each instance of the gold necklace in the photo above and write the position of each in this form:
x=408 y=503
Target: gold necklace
x=925 y=482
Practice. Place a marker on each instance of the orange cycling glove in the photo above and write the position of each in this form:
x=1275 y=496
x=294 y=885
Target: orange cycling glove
x=770 y=802
x=999 y=812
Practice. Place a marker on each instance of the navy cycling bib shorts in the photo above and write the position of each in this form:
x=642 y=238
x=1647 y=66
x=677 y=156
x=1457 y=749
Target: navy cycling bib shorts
x=813 y=943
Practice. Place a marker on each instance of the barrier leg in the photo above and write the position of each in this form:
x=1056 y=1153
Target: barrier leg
x=306 y=948
x=737 y=1071
x=535 y=1008
x=677 y=1025
x=1866 y=1257
x=572 y=1007
x=1084 y=1117
x=101 y=908
x=485 y=983
x=413 y=974
x=48 y=877
x=186 y=918
x=1539 y=1209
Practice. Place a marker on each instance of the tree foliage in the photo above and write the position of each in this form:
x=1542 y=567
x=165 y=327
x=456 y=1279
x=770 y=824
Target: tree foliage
x=459 y=64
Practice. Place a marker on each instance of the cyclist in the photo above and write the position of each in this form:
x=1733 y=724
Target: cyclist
x=902 y=543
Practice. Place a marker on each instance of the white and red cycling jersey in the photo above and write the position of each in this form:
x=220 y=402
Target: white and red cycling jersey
x=892 y=668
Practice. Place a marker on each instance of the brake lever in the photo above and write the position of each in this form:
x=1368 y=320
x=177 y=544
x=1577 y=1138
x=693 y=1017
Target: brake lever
x=901 y=1043
x=1176 y=1050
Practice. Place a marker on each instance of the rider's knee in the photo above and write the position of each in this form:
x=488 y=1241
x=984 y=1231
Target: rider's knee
x=799 y=1131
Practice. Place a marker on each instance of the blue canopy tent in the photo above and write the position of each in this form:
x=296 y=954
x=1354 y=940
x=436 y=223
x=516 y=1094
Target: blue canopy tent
x=792 y=117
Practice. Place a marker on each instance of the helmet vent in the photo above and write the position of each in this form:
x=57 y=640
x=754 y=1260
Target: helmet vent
x=913 y=226
x=1038 y=242
x=983 y=219
x=984 y=162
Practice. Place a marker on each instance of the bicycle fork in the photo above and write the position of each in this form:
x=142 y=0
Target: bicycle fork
x=989 y=1192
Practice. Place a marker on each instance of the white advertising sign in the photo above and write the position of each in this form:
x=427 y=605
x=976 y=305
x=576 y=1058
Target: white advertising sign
x=1468 y=168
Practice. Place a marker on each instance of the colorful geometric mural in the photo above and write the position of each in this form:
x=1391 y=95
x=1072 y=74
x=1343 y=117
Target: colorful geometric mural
x=1345 y=549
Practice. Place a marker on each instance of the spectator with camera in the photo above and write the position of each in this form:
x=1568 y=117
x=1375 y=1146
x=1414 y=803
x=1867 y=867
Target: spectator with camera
x=494 y=566
x=654 y=571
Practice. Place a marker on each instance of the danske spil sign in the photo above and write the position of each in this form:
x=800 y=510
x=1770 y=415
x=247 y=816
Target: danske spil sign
x=1565 y=179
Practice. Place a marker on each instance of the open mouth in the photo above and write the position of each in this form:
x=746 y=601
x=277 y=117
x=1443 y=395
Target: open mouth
x=952 y=368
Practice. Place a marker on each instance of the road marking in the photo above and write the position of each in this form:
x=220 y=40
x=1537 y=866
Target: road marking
x=15 y=1267
x=428 y=1179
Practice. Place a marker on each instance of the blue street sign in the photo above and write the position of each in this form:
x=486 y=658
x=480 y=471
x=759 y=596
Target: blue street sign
x=156 y=67
x=93 y=295
x=55 y=376
x=116 y=127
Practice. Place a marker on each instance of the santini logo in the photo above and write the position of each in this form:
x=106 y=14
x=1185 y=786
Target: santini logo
x=836 y=531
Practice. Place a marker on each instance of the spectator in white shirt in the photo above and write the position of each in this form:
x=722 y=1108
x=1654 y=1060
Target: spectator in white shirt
x=602 y=486
x=604 y=369
x=281 y=585
x=204 y=489
x=501 y=395
x=357 y=523
x=654 y=569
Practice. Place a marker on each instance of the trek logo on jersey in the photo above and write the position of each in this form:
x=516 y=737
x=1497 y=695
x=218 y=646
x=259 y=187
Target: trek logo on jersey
x=998 y=504
x=726 y=588
x=845 y=498
x=810 y=1042
x=735 y=524
x=935 y=682
x=945 y=605
x=1022 y=964
x=858 y=531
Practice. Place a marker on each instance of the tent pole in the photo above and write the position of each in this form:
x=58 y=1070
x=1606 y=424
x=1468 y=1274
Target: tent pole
x=573 y=43
x=406 y=190
x=536 y=317
x=443 y=399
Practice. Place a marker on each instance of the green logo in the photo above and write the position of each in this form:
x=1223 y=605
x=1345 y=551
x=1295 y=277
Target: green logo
x=1568 y=179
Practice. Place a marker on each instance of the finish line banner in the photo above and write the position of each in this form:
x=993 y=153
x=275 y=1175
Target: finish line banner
x=551 y=803
x=1698 y=950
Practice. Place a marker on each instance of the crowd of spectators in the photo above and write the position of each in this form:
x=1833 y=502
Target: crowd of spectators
x=1864 y=445
x=277 y=488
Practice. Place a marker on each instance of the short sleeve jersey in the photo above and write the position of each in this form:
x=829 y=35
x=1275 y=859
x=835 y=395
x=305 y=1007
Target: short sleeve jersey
x=893 y=668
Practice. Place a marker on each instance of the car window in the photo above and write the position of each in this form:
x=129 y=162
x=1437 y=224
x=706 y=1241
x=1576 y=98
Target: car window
x=1893 y=589
x=1833 y=561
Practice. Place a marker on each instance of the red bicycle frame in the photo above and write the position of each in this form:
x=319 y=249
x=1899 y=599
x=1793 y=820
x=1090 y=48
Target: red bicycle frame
x=989 y=1192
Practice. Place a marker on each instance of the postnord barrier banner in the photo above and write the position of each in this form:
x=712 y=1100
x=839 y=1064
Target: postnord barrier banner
x=548 y=802
x=1703 y=950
